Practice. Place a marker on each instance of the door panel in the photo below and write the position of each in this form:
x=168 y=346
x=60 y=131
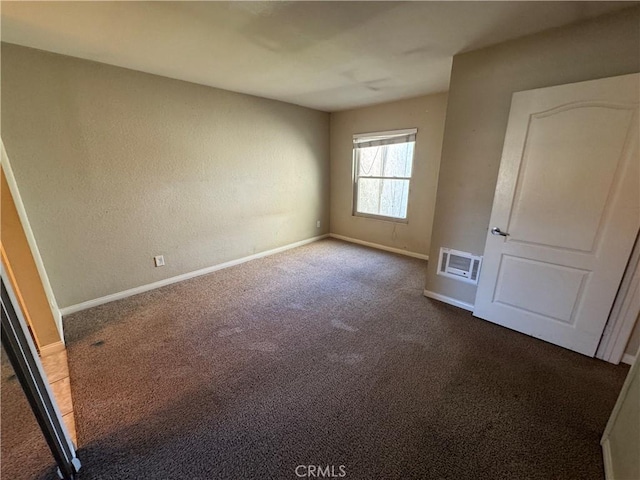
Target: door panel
x=521 y=282
x=568 y=195
x=556 y=142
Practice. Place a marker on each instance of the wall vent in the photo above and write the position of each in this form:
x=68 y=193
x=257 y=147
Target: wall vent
x=459 y=265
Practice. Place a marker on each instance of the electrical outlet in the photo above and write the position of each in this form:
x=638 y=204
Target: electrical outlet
x=159 y=260
x=318 y=224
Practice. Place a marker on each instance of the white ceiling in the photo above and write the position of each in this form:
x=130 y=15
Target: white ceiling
x=325 y=55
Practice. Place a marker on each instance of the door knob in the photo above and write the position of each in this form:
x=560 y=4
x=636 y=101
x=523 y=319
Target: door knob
x=497 y=231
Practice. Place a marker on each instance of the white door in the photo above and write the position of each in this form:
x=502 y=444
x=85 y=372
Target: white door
x=568 y=198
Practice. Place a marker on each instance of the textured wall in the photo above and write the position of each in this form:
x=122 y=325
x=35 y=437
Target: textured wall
x=427 y=114
x=482 y=83
x=116 y=166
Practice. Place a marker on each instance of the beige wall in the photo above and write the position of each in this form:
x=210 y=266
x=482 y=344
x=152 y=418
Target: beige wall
x=482 y=83
x=427 y=114
x=115 y=166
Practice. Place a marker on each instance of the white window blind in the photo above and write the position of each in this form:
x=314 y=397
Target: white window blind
x=383 y=163
x=365 y=140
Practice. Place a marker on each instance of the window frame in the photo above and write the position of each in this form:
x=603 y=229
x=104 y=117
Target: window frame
x=382 y=137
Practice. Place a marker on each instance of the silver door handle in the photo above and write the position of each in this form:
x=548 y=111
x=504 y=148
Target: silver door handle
x=497 y=231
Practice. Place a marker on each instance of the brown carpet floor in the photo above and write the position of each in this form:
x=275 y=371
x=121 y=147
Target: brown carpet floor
x=328 y=354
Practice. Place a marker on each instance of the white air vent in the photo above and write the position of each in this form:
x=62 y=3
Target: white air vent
x=459 y=265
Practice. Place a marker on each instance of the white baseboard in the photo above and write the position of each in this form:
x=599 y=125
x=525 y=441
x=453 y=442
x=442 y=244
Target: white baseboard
x=628 y=359
x=606 y=457
x=57 y=317
x=421 y=256
x=449 y=300
x=185 y=276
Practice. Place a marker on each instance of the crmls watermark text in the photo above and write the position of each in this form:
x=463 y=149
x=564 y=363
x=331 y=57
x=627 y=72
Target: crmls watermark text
x=321 y=471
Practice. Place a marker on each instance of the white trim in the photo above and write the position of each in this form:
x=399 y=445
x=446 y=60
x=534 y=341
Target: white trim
x=628 y=359
x=449 y=300
x=624 y=313
x=31 y=240
x=608 y=462
x=421 y=256
x=185 y=276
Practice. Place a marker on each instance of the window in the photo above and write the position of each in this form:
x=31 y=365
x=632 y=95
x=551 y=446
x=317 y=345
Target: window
x=382 y=172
